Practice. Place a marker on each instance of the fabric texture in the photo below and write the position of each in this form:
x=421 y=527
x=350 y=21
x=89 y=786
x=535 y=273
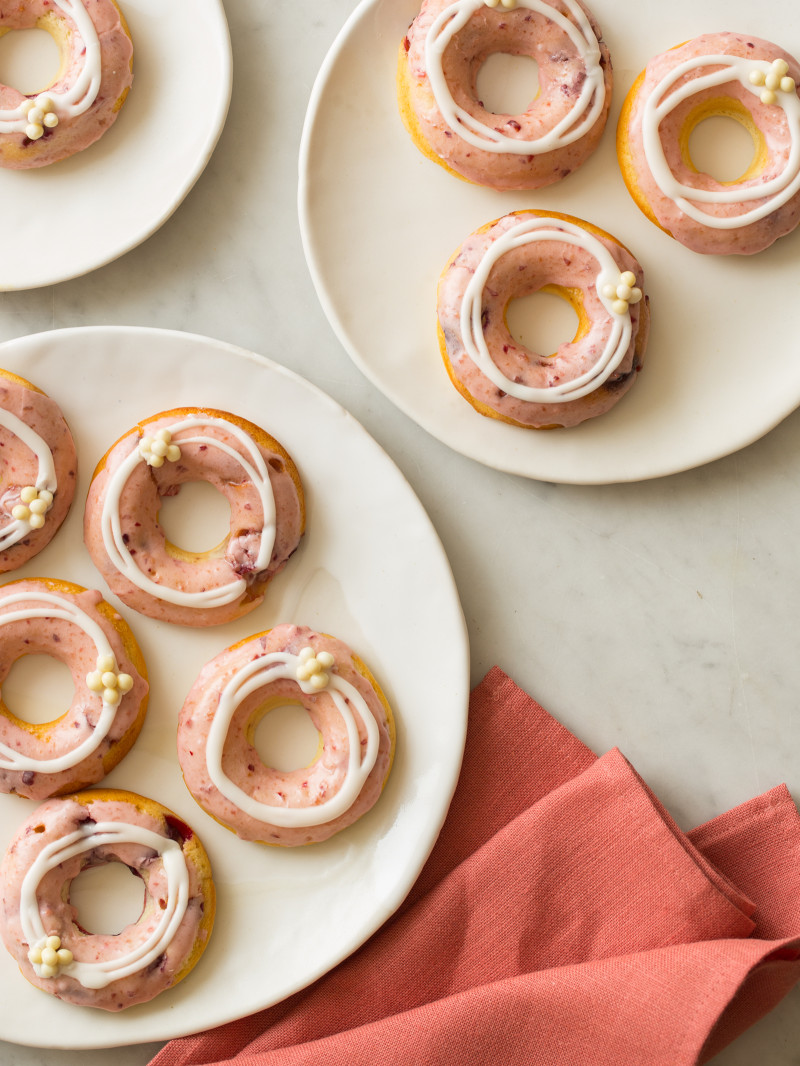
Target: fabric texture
x=562 y=917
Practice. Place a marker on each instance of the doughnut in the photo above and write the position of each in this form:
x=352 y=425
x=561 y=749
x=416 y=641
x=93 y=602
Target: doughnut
x=520 y=254
x=59 y=840
x=129 y=548
x=90 y=88
x=77 y=627
x=445 y=47
x=719 y=74
x=38 y=470
x=222 y=769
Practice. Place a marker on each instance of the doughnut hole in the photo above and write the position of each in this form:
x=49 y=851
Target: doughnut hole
x=38 y=689
x=32 y=60
x=107 y=898
x=544 y=320
x=195 y=521
x=507 y=84
x=284 y=736
x=719 y=137
x=495 y=66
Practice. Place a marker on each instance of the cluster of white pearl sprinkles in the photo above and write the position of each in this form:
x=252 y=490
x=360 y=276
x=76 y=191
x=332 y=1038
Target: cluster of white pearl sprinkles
x=39 y=113
x=105 y=679
x=34 y=506
x=48 y=955
x=314 y=668
x=501 y=3
x=624 y=293
x=155 y=450
x=776 y=78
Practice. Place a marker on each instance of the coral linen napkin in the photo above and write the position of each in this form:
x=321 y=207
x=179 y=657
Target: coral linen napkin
x=562 y=918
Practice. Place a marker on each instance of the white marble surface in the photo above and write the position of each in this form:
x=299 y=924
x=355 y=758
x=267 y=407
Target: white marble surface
x=658 y=617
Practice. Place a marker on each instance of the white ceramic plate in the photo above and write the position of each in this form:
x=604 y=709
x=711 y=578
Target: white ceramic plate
x=64 y=220
x=379 y=222
x=371 y=570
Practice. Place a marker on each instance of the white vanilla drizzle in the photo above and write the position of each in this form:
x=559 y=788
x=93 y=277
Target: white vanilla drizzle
x=256 y=470
x=79 y=96
x=86 y=838
x=18 y=528
x=55 y=607
x=279 y=666
x=572 y=127
x=528 y=232
x=774 y=192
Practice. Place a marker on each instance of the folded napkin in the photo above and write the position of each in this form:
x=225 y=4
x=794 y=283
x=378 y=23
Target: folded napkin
x=563 y=917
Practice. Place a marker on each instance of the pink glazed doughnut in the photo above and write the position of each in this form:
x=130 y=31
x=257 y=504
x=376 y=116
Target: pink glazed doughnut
x=720 y=74
x=66 y=836
x=129 y=548
x=79 y=747
x=222 y=769
x=38 y=470
x=440 y=57
x=520 y=254
x=90 y=88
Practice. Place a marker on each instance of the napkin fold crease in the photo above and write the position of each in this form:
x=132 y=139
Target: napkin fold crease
x=562 y=916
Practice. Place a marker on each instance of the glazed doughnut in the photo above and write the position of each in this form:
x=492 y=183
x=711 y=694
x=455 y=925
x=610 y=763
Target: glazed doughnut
x=53 y=846
x=151 y=575
x=222 y=769
x=91 y=86
x=38 y=470
x=520 y=254
x=77 y=627
x=446 y=45
x=720 y=74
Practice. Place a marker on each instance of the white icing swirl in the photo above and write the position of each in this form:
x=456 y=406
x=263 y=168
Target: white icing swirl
x=78 y=97
x=661 y=102
x=18 y=528
x=582 y=116
x=256 y=470
x=56 y=607
x=277 y=666
x=529 y=231
x=86 y=838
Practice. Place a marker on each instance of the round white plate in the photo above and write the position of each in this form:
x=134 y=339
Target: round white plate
x=370 y=570
x=64 y=220
x=379 y=222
